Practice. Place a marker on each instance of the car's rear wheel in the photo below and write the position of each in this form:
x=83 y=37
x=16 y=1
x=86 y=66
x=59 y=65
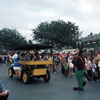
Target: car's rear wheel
x=47 y=76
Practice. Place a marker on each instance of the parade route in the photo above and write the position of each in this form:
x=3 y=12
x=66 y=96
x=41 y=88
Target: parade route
x=59 y=88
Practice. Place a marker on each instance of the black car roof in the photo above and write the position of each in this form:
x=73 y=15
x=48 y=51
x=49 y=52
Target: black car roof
x=34 y=46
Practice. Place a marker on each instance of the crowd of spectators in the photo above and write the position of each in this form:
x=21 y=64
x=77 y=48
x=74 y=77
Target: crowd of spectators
x=62 y=62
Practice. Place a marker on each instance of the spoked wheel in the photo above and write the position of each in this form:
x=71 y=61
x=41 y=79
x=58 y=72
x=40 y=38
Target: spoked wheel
x=25 y=77
x=10 y=72
x=47 y=76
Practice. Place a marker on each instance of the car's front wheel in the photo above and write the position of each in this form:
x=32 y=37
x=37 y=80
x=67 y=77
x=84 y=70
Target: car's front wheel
x=10 y=72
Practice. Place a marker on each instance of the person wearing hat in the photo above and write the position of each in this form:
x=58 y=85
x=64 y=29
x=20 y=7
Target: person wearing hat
x=79 y=63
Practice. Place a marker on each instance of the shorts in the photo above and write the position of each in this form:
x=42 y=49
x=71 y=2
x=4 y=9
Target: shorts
x=16 y=68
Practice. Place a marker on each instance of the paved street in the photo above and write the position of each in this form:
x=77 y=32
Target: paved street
x=59 y=88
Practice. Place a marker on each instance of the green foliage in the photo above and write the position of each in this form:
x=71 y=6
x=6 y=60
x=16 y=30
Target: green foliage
x=11 y=38
x=58 y=33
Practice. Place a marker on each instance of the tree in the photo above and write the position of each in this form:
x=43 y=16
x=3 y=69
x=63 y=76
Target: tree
x=10 y=38
x=58 y=33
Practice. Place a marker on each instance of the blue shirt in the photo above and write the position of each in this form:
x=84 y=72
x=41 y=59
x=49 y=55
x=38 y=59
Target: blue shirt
x=2 y=87
x=16 y=60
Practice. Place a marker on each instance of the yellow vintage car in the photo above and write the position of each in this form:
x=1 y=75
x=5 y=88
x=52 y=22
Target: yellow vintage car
x=29 y=68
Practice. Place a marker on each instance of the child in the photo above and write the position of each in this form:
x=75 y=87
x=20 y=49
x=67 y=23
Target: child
x=89 y=71
x=70 y=64
x=94 y=76
x=66 y=69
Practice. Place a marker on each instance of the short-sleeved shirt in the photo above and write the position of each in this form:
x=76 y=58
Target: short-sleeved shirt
x=58 y=60
x=2 y=87
x=63 y=56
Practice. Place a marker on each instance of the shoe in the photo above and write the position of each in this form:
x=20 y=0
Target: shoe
x=93 y=81
x=98 y=80
x=80 y=89
x=77 y=88
x=84 y=83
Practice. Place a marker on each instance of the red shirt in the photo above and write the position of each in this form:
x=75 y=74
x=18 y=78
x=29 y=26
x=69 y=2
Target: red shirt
x=63 y=56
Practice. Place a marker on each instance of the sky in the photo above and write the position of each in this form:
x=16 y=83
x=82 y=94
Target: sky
x=25 y=15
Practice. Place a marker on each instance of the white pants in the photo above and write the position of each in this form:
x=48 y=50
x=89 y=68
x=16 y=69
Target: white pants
x=16 y=68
